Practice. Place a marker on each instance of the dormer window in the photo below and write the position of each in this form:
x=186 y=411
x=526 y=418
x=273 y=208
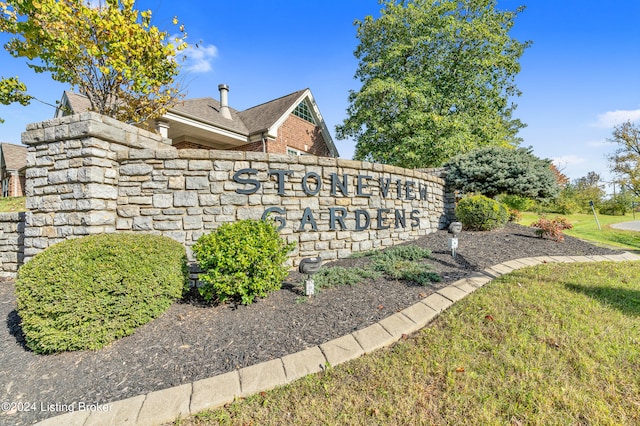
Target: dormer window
x=303 y=111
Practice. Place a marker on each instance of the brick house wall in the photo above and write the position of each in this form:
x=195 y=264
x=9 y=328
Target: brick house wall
x=16 y=183
x=293 y=133
x=301 y=135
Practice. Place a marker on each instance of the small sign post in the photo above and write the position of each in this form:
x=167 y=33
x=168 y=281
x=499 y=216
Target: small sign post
x=455 y=228
x=593 y=209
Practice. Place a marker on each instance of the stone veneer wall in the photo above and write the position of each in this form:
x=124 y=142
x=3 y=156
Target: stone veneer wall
x=91 y=174
x=11 y=243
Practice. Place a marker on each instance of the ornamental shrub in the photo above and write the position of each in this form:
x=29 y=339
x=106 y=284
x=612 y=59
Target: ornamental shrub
x=480 y=213
x=552 y=228
x=86 y=292
x=241 y=261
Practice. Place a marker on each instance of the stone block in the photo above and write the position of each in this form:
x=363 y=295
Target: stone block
x=162 y=201
x=200 y=165
x=192 y=222
x=97 y=190
x=185 y=199
x=135 y=170
x=262 y=377
x=215 y=392
x=142 y=223
x=197 y=182
x=123 y=412
x=176 y=182
x=165 y=406
x=341 y=350
x=373 y=337
x=302 y=363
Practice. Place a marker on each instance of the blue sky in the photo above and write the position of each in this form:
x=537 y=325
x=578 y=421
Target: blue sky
x=580 y=77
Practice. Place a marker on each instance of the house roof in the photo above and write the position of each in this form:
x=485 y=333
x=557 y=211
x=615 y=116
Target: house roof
x=15 y=156
x=201 y=117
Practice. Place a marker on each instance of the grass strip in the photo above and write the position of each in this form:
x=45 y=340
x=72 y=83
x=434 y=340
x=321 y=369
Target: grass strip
x=555 y=344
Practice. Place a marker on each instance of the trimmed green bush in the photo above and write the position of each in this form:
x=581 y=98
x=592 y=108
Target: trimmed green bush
x=86 y=292
x=241 y=261
x=480 y=213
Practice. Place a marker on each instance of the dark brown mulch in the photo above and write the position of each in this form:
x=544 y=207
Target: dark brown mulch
x=192 y=341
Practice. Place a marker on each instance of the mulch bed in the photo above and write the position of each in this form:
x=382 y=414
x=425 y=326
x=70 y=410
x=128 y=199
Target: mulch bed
x=193 y=341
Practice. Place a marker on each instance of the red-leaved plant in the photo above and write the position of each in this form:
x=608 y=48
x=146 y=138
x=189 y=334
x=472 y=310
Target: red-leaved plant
x=551 y=228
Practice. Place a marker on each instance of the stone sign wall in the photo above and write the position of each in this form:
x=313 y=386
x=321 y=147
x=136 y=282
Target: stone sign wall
x=90 y=174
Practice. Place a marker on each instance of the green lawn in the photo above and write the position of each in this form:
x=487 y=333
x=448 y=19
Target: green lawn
x=557 y=344
x=586 y=228
x=12 y=204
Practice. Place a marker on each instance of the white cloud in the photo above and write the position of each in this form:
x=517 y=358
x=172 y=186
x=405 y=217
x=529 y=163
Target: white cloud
x=598 y=143
x=613 y=118
x=567 y=160
x=198 y=58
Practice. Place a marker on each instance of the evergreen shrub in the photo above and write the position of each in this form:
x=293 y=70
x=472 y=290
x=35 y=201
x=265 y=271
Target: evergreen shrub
x=86 y=292
x=241 y=261
x=480 y=213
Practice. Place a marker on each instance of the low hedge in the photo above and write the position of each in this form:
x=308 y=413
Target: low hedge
x=84 y=293
x=241 y=261
x=480 y=213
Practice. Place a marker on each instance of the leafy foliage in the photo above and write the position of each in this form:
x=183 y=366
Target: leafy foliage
x=13 y=90
x=241 y=261
x=480 y=213
x=577 y=196
x=84 y=293
x=495 y=170
x=618 y=205
x=625 y=161
x=111 y=53
x=436 y=80
x=516 y=202
x=551 y=228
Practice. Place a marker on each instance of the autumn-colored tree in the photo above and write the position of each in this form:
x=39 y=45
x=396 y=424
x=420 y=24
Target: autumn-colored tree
x=561 y=179
x=111 y=53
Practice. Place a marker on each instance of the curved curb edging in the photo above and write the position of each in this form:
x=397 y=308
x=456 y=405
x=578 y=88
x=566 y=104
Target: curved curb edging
x=167 y=405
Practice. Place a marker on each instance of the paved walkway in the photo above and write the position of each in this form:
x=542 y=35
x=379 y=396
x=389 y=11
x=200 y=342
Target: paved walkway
x=166 y=405
x=628 y=226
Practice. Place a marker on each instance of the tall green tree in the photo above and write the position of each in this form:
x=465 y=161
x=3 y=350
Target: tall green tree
x=625 y=161
x=437 y=78
x=110 y=52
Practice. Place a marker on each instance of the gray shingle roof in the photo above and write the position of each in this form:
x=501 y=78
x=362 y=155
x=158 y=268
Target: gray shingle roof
x=248 y=122
x=15 y=156
x=261 y=117
x=208 y=110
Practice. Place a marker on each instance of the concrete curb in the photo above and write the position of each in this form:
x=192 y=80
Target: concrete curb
x=167 y=405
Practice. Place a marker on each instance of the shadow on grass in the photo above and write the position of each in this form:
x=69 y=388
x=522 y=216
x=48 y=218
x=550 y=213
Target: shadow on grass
x=625 y=300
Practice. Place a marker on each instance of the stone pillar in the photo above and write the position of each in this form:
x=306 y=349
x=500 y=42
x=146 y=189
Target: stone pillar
x=72 y=176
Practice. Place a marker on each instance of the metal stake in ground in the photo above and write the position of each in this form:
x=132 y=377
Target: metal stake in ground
x=455 y=228
x=309 y=266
